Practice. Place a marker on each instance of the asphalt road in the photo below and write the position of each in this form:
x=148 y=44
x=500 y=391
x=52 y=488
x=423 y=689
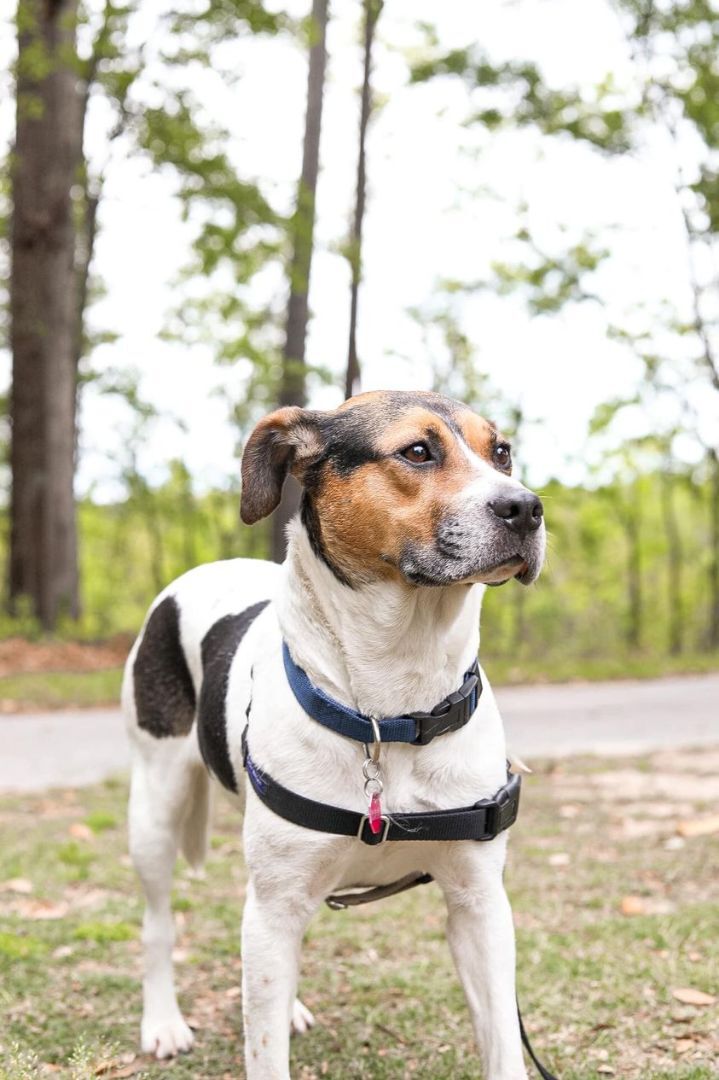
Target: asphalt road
x=69 y=749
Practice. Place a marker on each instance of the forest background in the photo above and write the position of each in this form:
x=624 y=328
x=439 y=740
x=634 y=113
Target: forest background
x=213 y=207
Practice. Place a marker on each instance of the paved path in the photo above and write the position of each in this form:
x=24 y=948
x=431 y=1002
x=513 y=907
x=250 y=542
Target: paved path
x=76 y=748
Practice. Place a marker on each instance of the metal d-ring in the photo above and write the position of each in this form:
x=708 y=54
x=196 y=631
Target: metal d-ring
x=376 y=744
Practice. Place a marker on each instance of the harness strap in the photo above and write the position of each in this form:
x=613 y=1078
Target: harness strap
x=340 y=901
x=419 y=728
x=482 y=821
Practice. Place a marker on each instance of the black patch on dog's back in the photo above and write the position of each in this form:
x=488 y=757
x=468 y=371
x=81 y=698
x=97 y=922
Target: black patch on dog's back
x=164 y=692
x=219 y=646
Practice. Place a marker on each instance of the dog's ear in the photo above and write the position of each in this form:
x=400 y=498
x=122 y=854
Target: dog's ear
x=288 y=440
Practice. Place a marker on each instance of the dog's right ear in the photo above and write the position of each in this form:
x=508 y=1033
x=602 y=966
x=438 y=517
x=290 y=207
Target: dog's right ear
x=288 y=440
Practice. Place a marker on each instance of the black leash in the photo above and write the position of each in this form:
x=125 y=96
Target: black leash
x=543 y=1072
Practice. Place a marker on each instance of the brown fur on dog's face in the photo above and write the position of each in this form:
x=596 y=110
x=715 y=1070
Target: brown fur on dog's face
x=374 y=508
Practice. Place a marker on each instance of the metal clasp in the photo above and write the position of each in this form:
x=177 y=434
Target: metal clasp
x=372 y=843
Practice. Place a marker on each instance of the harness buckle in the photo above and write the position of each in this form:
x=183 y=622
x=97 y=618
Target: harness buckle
x=452 y=713
x=370 y=838
x=502 y=810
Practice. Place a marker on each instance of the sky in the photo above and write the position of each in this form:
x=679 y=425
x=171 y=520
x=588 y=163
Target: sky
x=442 y=203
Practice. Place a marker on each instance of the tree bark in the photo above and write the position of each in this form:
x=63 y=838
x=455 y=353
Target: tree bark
x=372 y=9
x=43 y=303
x=293 y=383
x=713 y=635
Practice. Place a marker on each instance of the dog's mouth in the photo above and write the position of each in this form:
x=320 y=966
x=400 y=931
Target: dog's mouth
x=498 y=574
x=516 y=567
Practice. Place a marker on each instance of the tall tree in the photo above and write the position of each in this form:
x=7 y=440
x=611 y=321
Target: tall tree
x=56 y=198
x=47 y=164
x=372 y=11
x=293 y=390
x=671 y=94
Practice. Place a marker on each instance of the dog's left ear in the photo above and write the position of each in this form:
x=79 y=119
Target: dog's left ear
x=288 y=440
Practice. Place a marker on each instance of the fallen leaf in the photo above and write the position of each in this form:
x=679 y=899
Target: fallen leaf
x=682 y=1045
x=233 y=992
x=559 y=858
x=699 y=826
x=17 y=885
x=632 y=905
x=80 y=831
x=128 y=1070
x=125 y=1065
x=688 y=996
x=43 y=909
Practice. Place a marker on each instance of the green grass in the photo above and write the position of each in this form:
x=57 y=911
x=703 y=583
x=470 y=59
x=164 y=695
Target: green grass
x=67 y=689
x=595 y=985
x=506 y=671
x=60 y=689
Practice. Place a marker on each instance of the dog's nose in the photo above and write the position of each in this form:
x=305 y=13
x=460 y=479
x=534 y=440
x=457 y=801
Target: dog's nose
x=521 y=511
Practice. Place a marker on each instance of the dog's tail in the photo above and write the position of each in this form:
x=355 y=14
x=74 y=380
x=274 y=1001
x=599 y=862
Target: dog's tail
x=196 y=824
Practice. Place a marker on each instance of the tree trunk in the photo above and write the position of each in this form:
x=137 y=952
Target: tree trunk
x=293 y=384
x=713 y=636
x=634 y=574
x=372 y=9
x=47 y=161
x=675 y=557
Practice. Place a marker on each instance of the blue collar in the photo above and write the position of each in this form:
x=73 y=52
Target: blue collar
x=418 y=728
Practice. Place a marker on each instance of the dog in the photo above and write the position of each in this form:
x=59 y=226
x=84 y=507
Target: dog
x=408 y=512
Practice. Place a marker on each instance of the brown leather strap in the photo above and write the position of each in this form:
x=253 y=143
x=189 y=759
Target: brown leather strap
x=339 y=901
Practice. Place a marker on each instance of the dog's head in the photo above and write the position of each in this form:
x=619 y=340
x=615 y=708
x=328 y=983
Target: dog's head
x=399 y=484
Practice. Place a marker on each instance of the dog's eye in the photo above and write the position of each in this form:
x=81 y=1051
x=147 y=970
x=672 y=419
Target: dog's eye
x=502 y=456
x=417 y=453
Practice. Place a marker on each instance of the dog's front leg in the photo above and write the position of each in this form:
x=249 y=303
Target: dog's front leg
x=272 y=930
x=481 y=938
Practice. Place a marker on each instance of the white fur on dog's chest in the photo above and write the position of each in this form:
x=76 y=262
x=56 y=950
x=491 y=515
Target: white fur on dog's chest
x=456 y=769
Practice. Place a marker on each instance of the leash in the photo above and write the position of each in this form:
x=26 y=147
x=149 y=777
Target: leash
x=341 y=901
x=417 y=728
x=541 y=1069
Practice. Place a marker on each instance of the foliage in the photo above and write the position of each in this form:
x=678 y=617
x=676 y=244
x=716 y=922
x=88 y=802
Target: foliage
x=515 y=94
x=580 y=609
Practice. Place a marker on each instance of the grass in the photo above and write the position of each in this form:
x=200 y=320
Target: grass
x=506 y=671
x=59 y=689
x=595 y=985
x=68 y=689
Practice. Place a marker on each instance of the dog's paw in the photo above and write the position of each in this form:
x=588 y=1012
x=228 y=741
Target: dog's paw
x=302 y=1019
x=166 y=1038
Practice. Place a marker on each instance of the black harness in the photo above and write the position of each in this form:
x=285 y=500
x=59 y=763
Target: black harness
x=483 y=820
